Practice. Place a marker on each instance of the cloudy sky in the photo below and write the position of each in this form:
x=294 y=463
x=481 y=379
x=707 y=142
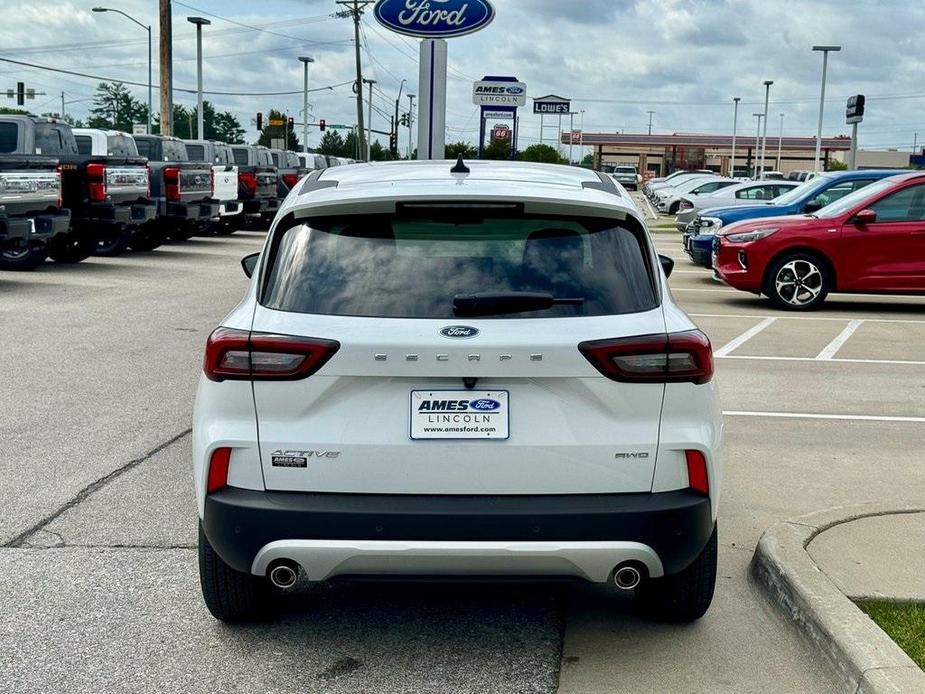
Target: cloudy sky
x=616 y=60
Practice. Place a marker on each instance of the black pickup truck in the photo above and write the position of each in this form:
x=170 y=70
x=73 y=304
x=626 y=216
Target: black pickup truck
x=31 y=211
x=107 y=195
x=182 y=188
x=257 y=181
x=289 y=170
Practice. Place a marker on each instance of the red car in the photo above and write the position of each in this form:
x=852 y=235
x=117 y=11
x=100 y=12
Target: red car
x=871 y=241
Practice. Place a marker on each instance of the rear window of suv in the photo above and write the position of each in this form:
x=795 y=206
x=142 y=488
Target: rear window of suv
x=410 y=266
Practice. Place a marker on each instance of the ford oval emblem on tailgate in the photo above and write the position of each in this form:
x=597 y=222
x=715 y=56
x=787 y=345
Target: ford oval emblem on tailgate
x=462 y=331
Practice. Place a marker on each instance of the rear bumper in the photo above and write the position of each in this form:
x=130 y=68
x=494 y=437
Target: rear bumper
x=14 y=231
x=261 y=206
x=363 y=533
x=192 y=211
x=48 y=226
x=229 y=208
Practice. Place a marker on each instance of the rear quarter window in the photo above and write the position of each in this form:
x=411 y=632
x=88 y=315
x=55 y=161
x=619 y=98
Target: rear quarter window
x=9 y=135
x=196 y=152
x=240 y=155
x=121 y=146
x=84 y=144
x=396 y=266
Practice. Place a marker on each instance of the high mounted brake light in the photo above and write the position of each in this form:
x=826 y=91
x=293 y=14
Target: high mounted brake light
x=236 y=355
x=676 y=358
x=96 y=182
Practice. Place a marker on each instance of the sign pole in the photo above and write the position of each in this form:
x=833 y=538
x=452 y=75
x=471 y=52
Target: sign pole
x=541 y=129
x=852 y=155
x=481 y=133
x=571 y=135
x=432 y=104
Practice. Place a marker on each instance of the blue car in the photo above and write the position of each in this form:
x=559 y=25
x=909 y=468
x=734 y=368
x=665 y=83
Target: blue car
x=805 y=199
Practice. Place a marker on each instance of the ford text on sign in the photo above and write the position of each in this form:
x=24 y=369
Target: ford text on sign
x=434 y=18
x=499 y=94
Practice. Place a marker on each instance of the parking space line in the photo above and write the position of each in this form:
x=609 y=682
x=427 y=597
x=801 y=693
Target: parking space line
x=891 y=297
x=785 y=317
x=651 y=209
x=810 y=415
x=743 y=338
x=832 y=348
x=834 y=360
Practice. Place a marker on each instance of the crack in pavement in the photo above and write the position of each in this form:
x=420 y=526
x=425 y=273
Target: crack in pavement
x=82 y=495
x=43 y=548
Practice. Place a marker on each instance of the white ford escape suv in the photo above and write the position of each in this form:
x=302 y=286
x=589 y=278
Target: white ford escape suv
x=469 y=370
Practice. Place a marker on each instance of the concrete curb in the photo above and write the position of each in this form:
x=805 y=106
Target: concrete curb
x=866 y=660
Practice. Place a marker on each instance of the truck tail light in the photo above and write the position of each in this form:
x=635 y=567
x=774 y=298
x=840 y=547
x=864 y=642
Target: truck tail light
x=96 y=182
x=664 y=358
x=290 y=179
x=218 y=469
x=148 y=179
x=697 y=478
x=60 y=187
x=211 y=183
x=249 y=181
x=172 y=183
x=236 y=355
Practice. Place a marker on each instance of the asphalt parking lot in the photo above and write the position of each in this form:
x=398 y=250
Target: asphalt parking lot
x=99 y=526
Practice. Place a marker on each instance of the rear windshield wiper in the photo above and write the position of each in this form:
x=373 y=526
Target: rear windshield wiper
x=494 y=304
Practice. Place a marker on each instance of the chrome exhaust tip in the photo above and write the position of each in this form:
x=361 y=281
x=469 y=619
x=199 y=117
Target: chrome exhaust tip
x=626 y=577
x=284 y=575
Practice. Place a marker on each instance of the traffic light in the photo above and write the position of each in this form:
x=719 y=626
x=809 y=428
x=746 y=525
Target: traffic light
x=393 y=142
x=259 y=120
x=321 y=125
x=291 y=122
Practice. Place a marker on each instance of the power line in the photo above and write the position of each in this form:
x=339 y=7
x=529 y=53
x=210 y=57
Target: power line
x=176 y=89
x=251 y=26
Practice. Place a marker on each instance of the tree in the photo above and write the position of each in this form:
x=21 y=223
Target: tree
x=588 y=161
x=498 y=149
x=464 y=148
x=277 y=132
x=7 y=111
x=115 y=108
x=331 y=144
x=835 y=165
x=541 y=153
x=75 y=122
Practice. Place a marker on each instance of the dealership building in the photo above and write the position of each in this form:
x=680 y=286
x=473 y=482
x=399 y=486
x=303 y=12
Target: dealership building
x=661 y=154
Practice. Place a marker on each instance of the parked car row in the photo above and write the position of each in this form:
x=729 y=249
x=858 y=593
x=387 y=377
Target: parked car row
x=848 y=231
x=67 y=193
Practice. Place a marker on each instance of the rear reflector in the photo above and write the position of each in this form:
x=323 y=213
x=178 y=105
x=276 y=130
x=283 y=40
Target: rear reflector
x=240 y=355
x=676 y=358
x=697 y=472
x=218 y=469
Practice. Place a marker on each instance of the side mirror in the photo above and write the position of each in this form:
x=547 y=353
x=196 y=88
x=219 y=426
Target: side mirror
x=865 y=217
x=812 y=206
x=249 y=263
x=667 y=264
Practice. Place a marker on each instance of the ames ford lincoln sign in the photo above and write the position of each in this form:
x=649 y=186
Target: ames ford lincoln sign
x=434 y=18
x=499 y=93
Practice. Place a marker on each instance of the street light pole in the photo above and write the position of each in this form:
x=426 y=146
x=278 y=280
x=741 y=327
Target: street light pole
x=735 y=122
x=825 y=64
x=397 y=101
x=759 y=116
x=305 y=61
x=146 y=27
x=369 y=121
x=764 y=139
x=780 y=141
x=410 y=121
x=199 y=22
x=650 y=121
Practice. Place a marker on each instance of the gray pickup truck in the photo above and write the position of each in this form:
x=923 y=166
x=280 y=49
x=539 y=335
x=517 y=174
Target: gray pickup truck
x=224 y=181
x=182 y=189
x=31 y=211
x=257 y=181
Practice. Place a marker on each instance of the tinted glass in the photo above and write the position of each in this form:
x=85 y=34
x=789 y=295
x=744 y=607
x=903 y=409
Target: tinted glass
x=240 y=155
x=8 y=135
x=51 y=138
x=413 y=266
x=84 y=144
x=196 y=152
x=838 y=191
x=320 y=162
x=121 y=146
x=144 y=147
x=624 y=169
x=908 y=205
x=264 y=158
x=174 y=150
x=275 y=158
x=222 y=154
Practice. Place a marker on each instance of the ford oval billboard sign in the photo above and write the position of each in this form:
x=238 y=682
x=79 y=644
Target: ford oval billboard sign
x=434 y=19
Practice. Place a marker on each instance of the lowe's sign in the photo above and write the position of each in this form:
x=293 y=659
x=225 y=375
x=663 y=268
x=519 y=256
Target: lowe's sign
x=432 y=19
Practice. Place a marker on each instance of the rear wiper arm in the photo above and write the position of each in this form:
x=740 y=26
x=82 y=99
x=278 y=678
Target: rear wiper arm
x=498 y=303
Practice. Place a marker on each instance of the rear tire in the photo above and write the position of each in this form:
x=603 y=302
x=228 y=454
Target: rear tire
x=112 y=245
x=71 y=248
x=684 y=596
x=230 y=595
x=23 y=259
x=798 y=282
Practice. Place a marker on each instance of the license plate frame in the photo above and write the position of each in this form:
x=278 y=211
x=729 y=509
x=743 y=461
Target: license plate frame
x=440 y=415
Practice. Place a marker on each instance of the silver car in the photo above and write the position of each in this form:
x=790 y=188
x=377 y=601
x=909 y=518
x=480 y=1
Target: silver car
x=668 y=200
x=751 y=193
x=626 y=176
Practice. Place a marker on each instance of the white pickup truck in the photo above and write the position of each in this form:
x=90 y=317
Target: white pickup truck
x=225 y=181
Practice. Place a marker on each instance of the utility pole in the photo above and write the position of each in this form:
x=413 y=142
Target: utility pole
x=63 y=118
x=395 y=127
x=651 y=113
x=354 y=9
x=780 y=140
x=410 y=122
x=369 y=122
x=735 y=123
x=166 y=68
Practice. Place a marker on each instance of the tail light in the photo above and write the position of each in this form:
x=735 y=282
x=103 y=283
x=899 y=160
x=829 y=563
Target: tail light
x=249 y=180
x=60 y=187
x=218 y=469
x=290 y=179
x=148 y=174
x=172 y=183
x=96 y=182
x=697 y=478
x=237 y=355
x=211 y=183
x=676 y=358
